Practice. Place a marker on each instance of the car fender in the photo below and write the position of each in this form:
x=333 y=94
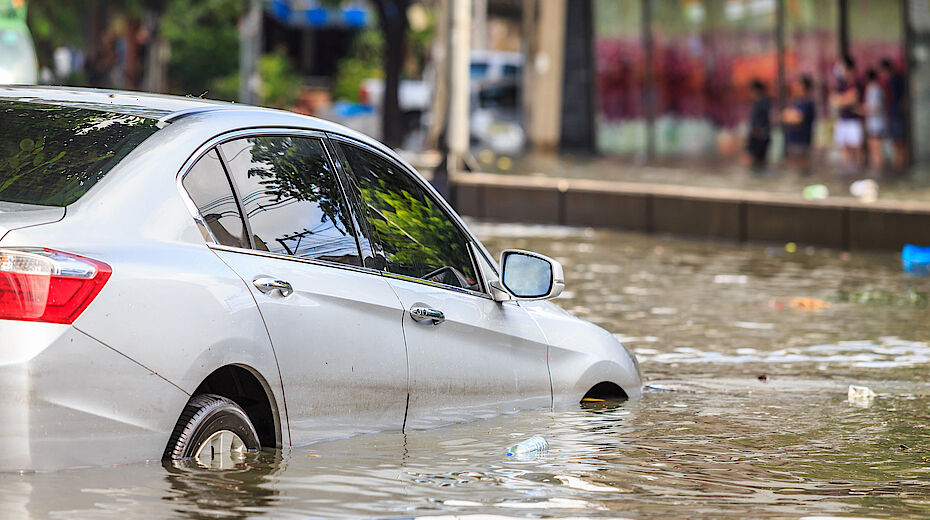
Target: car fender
x=582 y=355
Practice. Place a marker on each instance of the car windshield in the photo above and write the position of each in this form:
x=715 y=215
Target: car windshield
x=51 y=155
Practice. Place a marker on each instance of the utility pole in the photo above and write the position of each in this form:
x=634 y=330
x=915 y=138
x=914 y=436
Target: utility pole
x=250 y=47
x=459 y=88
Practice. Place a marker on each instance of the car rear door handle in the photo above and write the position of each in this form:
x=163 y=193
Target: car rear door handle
x=266 y=285
x=423 y=314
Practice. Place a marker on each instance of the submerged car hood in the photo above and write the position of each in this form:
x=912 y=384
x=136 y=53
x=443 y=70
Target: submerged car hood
x=15 y=216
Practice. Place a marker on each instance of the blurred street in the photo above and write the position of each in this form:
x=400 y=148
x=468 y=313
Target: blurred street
x=691 y=92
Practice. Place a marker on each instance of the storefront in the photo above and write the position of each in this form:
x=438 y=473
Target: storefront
x=672 y=76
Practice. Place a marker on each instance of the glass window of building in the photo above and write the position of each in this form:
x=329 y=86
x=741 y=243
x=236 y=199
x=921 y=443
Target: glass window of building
x=619 y=76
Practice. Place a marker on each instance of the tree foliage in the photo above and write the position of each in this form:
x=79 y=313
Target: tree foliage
x=204 y=42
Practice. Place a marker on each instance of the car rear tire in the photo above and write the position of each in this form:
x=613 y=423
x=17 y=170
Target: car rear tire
x=213 y=431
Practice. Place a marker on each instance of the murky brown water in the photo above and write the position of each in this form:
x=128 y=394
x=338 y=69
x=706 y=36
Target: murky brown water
x=709 y=439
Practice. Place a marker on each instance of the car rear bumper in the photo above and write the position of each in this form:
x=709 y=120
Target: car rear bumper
x=68 y=400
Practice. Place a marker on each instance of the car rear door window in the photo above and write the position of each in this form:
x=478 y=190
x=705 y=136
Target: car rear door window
x=292 y=197
x=417 y=237
x=209 y=188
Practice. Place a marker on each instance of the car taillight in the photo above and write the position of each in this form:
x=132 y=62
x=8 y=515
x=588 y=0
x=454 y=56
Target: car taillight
x=46 y=285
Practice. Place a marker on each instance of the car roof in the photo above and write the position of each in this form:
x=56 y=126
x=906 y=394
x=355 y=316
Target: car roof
x=140 y=104
x=167 y=108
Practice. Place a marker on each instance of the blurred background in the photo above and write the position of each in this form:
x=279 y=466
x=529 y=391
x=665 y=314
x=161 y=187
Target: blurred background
x=638 y=82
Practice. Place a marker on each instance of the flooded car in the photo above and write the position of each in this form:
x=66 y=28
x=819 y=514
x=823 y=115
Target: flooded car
x=191 y=280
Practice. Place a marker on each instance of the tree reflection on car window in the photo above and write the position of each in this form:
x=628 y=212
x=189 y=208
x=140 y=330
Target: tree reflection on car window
x=417 y=236
x=292 y=198
x=51 y=155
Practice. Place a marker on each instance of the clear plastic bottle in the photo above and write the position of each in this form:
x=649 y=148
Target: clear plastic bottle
x=532 y=445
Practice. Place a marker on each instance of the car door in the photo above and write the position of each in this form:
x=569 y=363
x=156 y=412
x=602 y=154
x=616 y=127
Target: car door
x=335 y=325
x=468 y=356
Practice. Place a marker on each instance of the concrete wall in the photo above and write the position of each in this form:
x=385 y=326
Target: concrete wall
x=715 y=213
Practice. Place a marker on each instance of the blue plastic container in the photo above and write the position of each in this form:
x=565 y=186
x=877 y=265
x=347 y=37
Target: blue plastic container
x=916 y=259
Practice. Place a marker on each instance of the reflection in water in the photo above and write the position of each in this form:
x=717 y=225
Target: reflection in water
x=198 y=492
x=708 y=439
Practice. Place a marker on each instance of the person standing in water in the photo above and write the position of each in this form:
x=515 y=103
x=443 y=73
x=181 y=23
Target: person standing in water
x=847 y=132
x=760 y=126
x=798 y=123
x=873 y=106
x=897 y=122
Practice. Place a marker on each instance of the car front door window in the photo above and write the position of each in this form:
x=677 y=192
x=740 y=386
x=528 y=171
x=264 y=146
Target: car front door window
x=417 y=237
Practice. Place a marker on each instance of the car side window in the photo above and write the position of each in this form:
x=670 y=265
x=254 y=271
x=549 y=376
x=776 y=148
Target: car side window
x=209 y=188
x=292 y=197
x=417 y=237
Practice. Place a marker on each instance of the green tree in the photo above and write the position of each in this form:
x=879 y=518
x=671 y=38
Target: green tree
x=204 y=42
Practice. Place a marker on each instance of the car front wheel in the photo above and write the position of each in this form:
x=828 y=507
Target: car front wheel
x=213 y=431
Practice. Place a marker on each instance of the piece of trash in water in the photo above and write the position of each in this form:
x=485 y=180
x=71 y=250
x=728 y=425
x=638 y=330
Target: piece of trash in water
x=534 y=444
x=860 y=395
x=808 y=304
x=912 y=298
x=764 y=378
x=577 y=483
x=592 y=400
x=916 y=259
x=791 y=247
x=815 y=192
x=866 y=190
x=731 y=278
x=754 y=325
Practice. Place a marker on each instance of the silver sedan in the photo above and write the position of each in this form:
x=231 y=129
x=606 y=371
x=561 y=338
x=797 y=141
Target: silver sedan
x=189 y=280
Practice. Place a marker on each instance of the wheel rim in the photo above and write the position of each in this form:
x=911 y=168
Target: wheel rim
x=220 y=450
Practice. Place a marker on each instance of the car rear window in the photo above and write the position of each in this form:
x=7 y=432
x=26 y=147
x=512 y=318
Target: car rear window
x=51 y=155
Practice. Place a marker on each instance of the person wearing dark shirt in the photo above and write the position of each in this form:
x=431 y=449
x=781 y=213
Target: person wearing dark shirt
x=897 y=124
x=798 y=123
x=848 y=132
x=760 y=127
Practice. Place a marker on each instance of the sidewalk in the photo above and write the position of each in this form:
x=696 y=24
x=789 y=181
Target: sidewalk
x=913 y=186
x=729 y=204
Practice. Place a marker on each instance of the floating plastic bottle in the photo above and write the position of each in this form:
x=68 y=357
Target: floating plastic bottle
x=532 y=445
x=916 y=259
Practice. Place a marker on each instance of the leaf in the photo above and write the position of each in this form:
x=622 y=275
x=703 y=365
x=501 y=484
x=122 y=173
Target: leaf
x=27 y=145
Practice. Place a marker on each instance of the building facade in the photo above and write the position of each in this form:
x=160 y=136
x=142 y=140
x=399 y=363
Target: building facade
x=669 y=79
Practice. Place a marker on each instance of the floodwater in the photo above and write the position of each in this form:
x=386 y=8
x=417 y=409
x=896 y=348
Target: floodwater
x=747 y=350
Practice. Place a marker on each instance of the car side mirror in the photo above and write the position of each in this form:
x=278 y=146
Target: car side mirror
x=529 y=276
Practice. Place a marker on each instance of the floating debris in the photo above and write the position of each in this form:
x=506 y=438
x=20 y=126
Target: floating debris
x=911 y=298
x=861 y=396
x=731 y=279
x=808 y=304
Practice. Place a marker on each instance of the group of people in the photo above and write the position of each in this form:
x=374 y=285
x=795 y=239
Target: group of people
x=868 y=111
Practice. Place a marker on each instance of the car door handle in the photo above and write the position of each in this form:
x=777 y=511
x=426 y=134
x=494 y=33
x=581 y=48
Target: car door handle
x=267 y=285
x=423 y=314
